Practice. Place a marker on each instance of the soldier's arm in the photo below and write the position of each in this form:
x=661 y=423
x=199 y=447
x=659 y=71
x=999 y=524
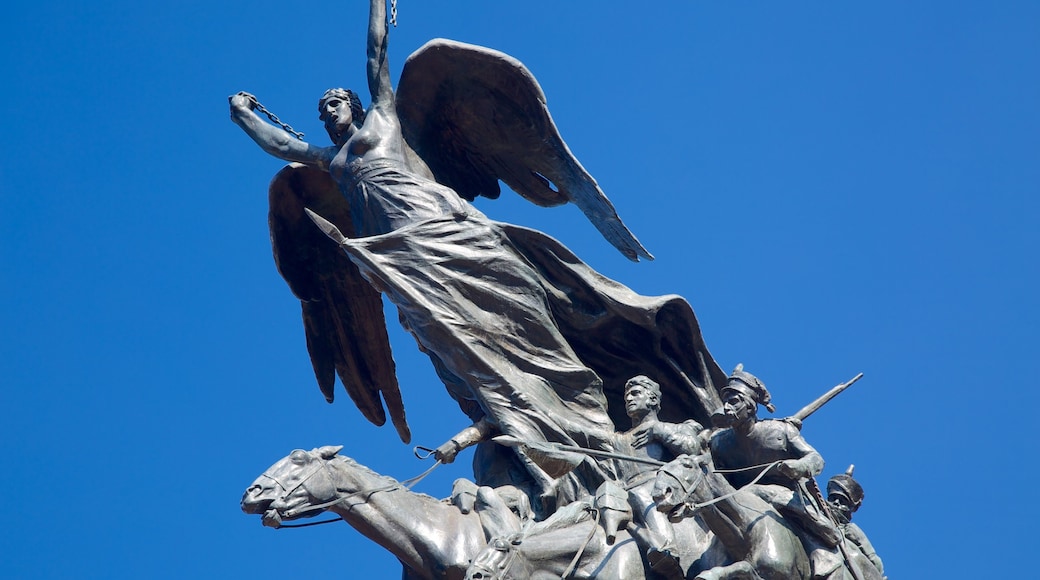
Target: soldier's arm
x=469 y=436
x=854 y=534
x=686 y=438
x=806 y=462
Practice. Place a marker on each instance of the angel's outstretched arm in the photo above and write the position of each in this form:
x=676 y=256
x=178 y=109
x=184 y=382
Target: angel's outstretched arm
x=275 y=140
x=378 y=65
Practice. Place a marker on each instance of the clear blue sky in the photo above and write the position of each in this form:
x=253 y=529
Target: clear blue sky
x=834 y=187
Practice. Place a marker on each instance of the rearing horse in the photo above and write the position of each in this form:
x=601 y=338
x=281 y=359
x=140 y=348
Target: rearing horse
x=433 y=539
x=763 y=545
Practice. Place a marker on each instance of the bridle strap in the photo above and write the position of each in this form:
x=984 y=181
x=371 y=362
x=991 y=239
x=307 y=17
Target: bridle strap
x=577 y=556
x=406 y=484
x=287 y=492
x=339 y=499
x=699 y=506
x=686 y=489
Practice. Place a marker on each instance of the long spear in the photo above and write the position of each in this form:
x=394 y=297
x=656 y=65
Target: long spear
x=559 y=458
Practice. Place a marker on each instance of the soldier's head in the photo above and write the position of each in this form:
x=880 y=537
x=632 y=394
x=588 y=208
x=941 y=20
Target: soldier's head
x=642 y=396
x=845 y=495
x=742 y=395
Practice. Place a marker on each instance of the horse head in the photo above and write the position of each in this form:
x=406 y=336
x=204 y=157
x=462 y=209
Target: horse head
x=298 y=486
x=499 y=561
x=677 y=481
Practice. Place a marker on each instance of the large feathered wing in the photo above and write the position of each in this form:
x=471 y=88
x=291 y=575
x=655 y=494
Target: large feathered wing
x=342 y=313
x=477 y=116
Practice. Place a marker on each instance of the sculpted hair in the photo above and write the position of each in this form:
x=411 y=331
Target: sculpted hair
x=648 y=384
x=357 y=112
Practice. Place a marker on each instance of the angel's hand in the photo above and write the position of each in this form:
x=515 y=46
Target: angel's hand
x=242 y=101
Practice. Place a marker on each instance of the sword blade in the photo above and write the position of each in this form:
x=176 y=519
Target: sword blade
x=326 y=226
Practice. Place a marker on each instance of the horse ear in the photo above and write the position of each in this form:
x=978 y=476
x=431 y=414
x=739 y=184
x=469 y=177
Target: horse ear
x=706 y=460
x=328 y=451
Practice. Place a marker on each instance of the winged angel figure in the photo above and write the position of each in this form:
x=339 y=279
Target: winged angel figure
x=524 y=335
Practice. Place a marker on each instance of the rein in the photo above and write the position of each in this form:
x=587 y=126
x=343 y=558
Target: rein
x=405 y=484
x=700 y=506
x=697 y=506
x=574 y=561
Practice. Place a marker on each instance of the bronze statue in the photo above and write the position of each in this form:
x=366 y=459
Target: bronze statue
x=305 y=483
x=759 y=542
x=845 y=496
x=769 y=453
x=652 y=438
x=547 y=358
x=771 y=459
x=521 y=332
x=435 y=539
x=750 y=537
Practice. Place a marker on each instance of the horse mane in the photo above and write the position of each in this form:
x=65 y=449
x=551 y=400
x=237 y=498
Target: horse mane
x=391 y=483
x=717 y=482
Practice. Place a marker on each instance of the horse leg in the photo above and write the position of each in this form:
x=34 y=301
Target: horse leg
x=832 y=566
x=495 y=516
x=741 y=570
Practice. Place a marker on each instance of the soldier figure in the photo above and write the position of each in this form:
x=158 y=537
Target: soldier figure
x=652 y=438
x=845 y=496
x=746 y=441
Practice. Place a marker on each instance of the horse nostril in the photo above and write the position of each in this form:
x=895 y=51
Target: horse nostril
x=663 y=493
x=250 y=495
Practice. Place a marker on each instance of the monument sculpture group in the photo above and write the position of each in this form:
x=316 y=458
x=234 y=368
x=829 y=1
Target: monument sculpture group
x=609 y=443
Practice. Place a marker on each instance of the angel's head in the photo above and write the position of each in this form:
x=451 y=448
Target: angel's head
x=341 y=111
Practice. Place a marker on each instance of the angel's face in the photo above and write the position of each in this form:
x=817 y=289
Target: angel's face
x=337 y=116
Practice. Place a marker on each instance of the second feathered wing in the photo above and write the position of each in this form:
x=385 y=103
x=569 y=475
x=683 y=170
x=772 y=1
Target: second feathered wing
x=342 y=314
x=477 y=116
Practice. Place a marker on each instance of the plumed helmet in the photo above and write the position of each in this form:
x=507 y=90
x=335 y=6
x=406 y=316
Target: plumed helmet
x=750 y=386
x=843 y=484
